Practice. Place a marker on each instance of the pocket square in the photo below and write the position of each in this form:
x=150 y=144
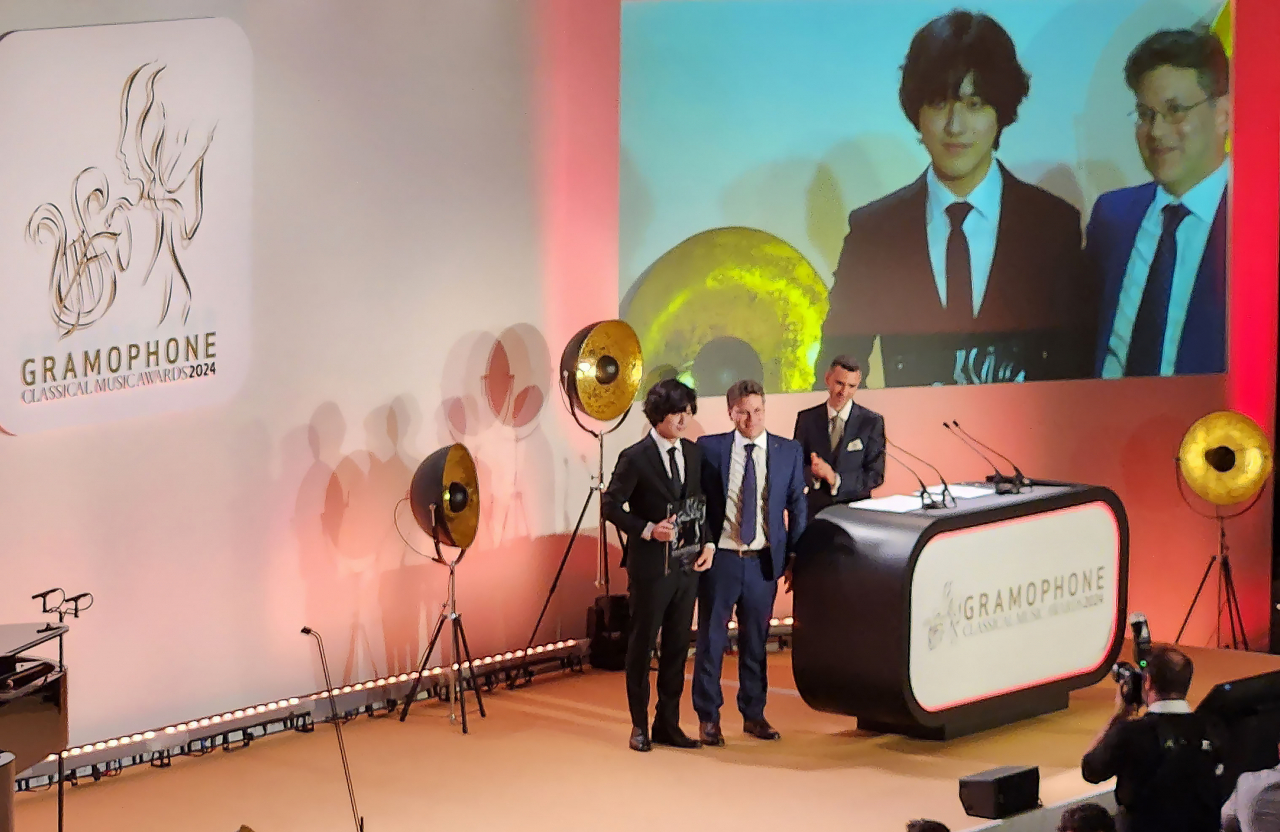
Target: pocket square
x=855 y=445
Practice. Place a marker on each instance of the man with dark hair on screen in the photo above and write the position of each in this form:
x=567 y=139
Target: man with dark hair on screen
x=842 y=441
x=968 y=274
x=1167 y=761
x=1160 y=249
x=651 y=476
x=755 y=488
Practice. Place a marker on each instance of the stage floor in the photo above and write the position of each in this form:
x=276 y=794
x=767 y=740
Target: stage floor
x=553 y=756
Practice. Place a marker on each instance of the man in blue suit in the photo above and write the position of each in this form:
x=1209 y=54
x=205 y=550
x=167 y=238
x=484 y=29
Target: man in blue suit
x=751 y=478
x=1159 y=250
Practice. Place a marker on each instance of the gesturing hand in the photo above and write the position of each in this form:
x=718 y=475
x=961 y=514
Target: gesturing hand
x=821 y=469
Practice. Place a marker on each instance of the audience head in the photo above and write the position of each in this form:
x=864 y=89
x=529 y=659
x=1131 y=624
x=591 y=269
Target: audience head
x=926 y=826
x=1086 y=817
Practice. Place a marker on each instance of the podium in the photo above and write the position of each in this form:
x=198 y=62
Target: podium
x=943 y=622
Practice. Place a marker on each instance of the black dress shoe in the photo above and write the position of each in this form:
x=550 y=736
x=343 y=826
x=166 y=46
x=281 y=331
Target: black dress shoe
x=709 y=733
x=640 y=742
x=760 y=729
x=675 y=738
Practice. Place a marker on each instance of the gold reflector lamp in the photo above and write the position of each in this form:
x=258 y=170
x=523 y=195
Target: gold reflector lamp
x=445 y=496
x=1225 y=457
x=601 y=369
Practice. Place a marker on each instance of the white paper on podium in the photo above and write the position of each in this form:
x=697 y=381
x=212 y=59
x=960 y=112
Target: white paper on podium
x=898 y=503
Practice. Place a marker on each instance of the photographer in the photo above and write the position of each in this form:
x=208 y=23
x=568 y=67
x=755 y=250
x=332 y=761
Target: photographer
x=1165 y=763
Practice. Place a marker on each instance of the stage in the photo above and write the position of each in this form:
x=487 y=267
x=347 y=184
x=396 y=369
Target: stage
x=553 y=756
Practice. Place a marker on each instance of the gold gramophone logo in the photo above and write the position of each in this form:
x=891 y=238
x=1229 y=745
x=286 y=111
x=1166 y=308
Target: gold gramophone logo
x=163 y=168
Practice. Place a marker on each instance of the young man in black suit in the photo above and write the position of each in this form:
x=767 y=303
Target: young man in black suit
x=843 y=442
x=968 y=274
x=651 y=476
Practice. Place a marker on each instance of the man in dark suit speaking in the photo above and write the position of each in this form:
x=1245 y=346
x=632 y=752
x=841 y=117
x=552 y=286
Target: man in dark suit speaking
x=843 y=442
x=753 y=477
x=1160 y=249
x=968 y=274
x=659 y=472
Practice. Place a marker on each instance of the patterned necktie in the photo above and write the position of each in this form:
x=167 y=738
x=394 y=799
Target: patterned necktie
x=747 y=498
x=1146 y=344
x=837 y=431
x=676 y=484
x=959 y=272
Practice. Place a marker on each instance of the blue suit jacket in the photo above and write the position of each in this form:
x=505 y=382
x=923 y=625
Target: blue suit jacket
x=784 y=481
x=1109 y=239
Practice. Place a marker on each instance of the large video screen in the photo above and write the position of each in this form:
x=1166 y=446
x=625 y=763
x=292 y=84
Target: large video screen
x=1007 y=192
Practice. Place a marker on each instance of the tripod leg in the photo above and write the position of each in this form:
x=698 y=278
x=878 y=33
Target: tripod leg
x=1234 y=615
x=563 y=561
x=457 y=659
x=422 y=668
x=1204 y=579
x=466 y=651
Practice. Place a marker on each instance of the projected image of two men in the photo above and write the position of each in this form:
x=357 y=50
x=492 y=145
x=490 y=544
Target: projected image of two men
x=1005 y=193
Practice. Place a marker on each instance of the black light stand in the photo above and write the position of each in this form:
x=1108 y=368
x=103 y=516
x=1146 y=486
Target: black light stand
x=597 y=489
x=62 y=611
x=1226 y=582
x=449 y=613
x=337 y=725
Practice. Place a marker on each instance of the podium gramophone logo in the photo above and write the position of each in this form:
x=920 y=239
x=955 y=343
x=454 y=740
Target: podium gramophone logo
x=126 y=226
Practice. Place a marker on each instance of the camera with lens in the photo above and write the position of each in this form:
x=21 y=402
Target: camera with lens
x=1129 y=676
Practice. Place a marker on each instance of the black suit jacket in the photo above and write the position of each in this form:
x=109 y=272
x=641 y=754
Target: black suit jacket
x=1038 y=315
x=860 y=468
x=639 y=493
x=1155 y=792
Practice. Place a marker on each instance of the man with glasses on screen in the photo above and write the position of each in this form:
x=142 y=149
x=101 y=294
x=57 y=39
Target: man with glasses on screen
x=968 y=274
x=1160 y=249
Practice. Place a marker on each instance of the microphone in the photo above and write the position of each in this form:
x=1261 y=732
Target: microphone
x=927 y=500
x=337 y=724
x=946 y=489
x=1003 y=484
x=1019 y=477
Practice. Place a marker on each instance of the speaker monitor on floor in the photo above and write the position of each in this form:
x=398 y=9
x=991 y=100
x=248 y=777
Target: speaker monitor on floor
x=1000 y=792
x=1248 y=713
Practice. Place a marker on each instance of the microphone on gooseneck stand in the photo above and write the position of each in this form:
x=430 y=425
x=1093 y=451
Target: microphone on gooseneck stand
x=337 y=724
x=1002 y=483
x=946 y=489
x=1019 y=477
x=927 y=500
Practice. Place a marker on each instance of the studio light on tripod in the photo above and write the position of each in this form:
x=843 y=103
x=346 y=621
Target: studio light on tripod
x=600 y=373
x=1225 y=458
x=444 y=497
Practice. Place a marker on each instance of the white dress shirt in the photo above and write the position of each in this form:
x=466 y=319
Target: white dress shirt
x=665 y=445
x=844 y=420
x=731 y=534
x=1249 y=785
x=1192 y=238
x=980 y=228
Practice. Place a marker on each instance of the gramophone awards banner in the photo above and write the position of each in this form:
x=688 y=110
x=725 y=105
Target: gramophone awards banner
x=125 y=153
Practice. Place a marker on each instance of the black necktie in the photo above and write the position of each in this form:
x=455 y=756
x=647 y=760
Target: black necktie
x=747 y=528
x=676 y=484
x=1146 y=345
x=959 y=272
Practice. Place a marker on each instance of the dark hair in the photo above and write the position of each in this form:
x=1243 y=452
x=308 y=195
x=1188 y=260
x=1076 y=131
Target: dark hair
x=741 y=389
x=1086 y=817
x=1183 y=49
x=846 y=362
x=1169 y=670
x=926 y=826
x=946 y=50
x=666 y=397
